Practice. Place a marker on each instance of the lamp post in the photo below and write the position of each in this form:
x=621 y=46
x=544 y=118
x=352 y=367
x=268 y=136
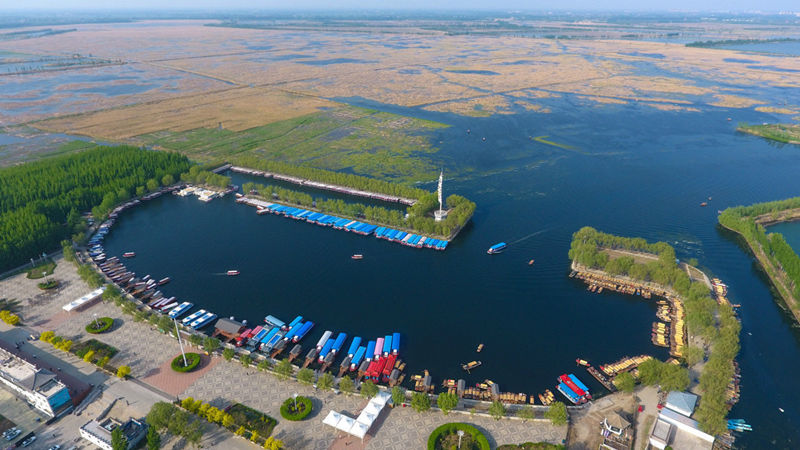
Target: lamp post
x=460 y=435
x=180 y=342
x=295 y=400
x=96 y=326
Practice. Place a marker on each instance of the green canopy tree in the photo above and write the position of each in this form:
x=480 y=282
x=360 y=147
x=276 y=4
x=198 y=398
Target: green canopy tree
x=420 y=402
x=447 y=402
x=368 y=389
x=557 y=413
x=284 y=369
x=497 y=410
x=305 y=376
x=153 y=439
x=346 y=385
x=625 y=382
x=325 y=381
x=118 y=440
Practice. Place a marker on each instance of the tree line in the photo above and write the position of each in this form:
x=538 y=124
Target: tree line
x=37 y=198
x=701 y=310
x=742 y=220
x=418 y=219
x=327 y=176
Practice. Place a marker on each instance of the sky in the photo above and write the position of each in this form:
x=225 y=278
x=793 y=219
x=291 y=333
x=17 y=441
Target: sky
x=529 y=5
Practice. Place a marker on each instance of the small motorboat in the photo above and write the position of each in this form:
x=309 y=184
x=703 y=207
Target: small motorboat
x=480 y=348
x=128 y=255
x=357 y=256
x=530 y=263
x=704 y=204
x=232 y=273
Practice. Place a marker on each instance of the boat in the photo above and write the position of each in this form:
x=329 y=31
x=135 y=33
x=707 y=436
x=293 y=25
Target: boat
x=496 y=248
x=232 y=273
x=357 y=256
x=192 y=317
x=163 y=281
x=704 y=204
x=530 y=263
x=471 y=365
x=325 y=336
x=303 y=331
x=203 y=321
x=569 y=394
x=480 y=348
x=128 y=255
x=582 y=362
x=580 y=385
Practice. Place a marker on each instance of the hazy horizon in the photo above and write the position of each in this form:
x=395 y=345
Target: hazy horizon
x=422 y=5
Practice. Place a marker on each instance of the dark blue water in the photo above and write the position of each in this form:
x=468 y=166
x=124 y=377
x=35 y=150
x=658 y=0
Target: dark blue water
x=790 y=231
x=634 y=172
x=787 y=48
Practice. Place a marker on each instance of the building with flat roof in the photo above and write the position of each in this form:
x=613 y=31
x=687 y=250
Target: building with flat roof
x=98 y=432
x=682 y=402
x=40 y=387
x=660 y=437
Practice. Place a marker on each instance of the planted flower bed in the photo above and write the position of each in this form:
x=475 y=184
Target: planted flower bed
x=99 y=325
x=192 y=361
x=295 y=410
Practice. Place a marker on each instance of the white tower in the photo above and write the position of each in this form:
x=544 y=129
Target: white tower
x=441 y=213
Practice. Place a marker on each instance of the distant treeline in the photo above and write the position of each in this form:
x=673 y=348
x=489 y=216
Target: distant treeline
x=701 y=309
x=419 y=219
x=326 y=176
x=41 y=202
x=742 y=220
x=786 y=133
x=727 y=42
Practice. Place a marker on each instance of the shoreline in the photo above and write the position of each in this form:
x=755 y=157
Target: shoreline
x=769 y=269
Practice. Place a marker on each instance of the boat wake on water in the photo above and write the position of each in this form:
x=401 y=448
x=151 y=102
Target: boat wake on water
x=530 y=236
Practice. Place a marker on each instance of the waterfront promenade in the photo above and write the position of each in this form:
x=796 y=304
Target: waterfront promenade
x=221 y=383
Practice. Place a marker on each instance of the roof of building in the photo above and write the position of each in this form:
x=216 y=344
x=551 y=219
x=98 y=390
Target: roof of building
x=617 y=421
x=661 y=431
x=132 y=429
x=229 y=326
x=682 y=402
x=27 y=375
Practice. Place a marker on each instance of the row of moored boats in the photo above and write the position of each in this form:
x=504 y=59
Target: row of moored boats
x=339 y=223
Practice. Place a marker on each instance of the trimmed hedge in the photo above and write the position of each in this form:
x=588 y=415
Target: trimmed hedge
x=104 y=322
x=304 y=408
x=48 y=285
x=451 y=428
x=192 y=358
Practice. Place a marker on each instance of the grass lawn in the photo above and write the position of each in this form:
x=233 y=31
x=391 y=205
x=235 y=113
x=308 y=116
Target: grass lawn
x=40 y=269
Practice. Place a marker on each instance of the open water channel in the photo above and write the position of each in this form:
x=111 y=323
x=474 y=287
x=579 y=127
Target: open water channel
x=635 y=171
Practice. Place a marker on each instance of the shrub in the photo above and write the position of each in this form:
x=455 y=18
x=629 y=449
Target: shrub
x=50 y=284
x=102 y=324
x=435 y=439
x=88 y=356
x=9 y=317
x=123 y=371
x=289 y=412
x=193 y=360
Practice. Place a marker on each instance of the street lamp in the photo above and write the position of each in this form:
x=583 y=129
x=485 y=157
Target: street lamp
x=460 y=434
x=295 y=400
x=96 y=326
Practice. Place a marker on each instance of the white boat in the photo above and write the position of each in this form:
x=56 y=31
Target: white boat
x=192 y=317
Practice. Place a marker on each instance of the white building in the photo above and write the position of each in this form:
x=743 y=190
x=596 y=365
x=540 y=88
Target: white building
x=675 y=427
x=40 y=387
x=99 y=432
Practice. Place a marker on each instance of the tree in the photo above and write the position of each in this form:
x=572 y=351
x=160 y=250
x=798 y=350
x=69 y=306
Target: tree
x=264 y=365
x=694 y=355
x=325 y=381
x=398 y=395
x=245 y=360
x=153 y=439
x=447 y=402
x=123 y=371
x=194 y=433
x=167 y=180
x=284 y=369
x=118 y=440
x=420 y=402
x=186 y=403
x=152 y=185
x=674 y=378
x=160 y=415
x=368 y=389
x=228 y=353
x=526 y=413
x=625 y=382
x=210 y=345
x=196 y=340
x=227 y=420
x=346 y=385
x=177 y=422
x=497 y=410
x=557 y=413
x=305 y=376
x=650 y=372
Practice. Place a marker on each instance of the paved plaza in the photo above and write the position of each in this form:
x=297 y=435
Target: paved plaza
x=221 y=383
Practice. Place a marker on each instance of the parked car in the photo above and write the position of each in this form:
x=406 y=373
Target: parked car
x=12 y=433
x=28 y=441
x=55 y=447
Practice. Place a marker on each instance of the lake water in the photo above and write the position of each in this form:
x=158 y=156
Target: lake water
x=634 y=172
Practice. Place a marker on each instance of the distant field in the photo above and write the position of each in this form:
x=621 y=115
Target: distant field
x=362 y=141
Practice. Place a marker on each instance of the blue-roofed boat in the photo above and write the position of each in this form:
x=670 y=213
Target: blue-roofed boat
x=267 y=346
x=387 y=344
x=337 y=345
x=303 y=331
x=497 y=248
x=293 y=331
x=294 y=322
x=580 y=385
x=569 y=393
x=370 y=350
x=192 y=317
x=325 y=349
x=179 y=310
x=260 y=334
x=357 y=358
x=354 y=346
x=395 y=343
x=268 y=334
x=203 y=321
x=274 y=321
